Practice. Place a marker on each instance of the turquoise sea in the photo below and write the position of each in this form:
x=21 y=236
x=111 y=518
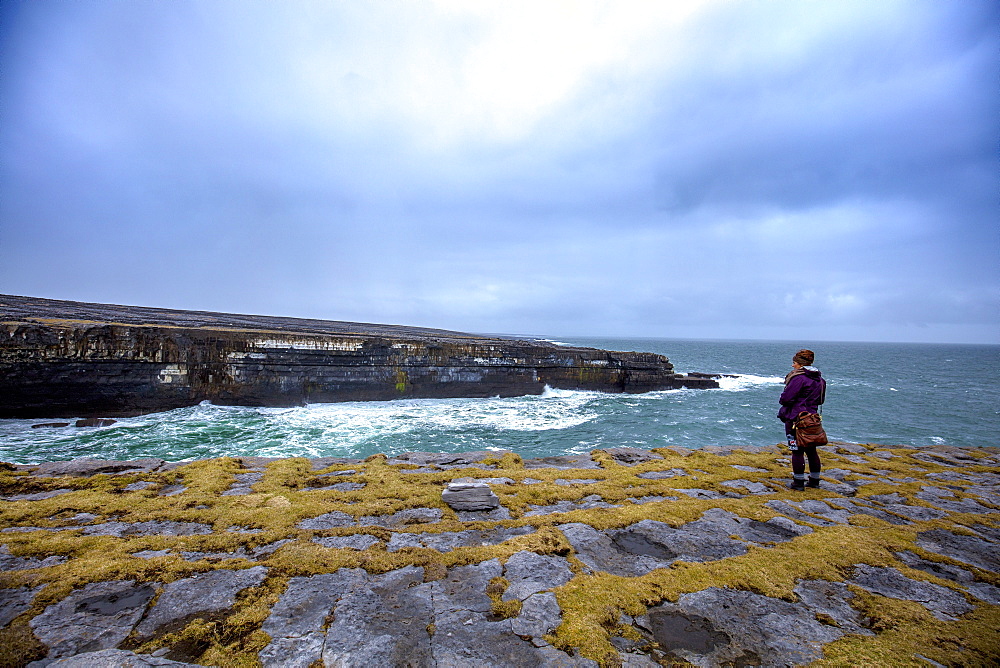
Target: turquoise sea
x=889 y=393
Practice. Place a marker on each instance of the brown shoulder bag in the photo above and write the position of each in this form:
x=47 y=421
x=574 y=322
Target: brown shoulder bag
x=809 y=430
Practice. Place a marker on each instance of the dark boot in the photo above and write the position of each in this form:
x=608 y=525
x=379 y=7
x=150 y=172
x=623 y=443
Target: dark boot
x=812 y=482
x=798 y=485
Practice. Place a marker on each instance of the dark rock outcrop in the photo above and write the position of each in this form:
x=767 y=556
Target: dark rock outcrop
x=470 y=496
x=60 y=358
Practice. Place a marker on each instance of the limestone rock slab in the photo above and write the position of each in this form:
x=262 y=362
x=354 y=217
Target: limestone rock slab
x=243 y=483
x=698 y=493
x=700 y=540
x=788 y=510
x=860 y=508
x=748 y=485
x=495 y=515
x=945 y=604
x=37 y=496
x=331 y=520
x=565 y=506
x=661 y=475
x=470 y=496
x=116 y=658
x=631 y=456
x=87 y=466
x=297 y=619
x=973 y=550
x=723 y=522
x=203 y=594
x=597 y=550
x=652 y=498
x=530 y=573
x=832 y=599
x=464 y=588
x=340 y=487
x=382 y=621
x=719 y=626
x=97 y=616
x=561 y=462
x=648 y=544
x=402 y=518
x=466 y=634
x=540 y=614
x=9 y=562
x=446 y=541
x=357 y=541
x=940 y=569
x=946 y=500
x=151 y=528
x=464 y=638
x=15 y=601
x=446 y=460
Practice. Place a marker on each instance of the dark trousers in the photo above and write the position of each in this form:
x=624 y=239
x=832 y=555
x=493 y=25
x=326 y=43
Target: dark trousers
x=800 y=455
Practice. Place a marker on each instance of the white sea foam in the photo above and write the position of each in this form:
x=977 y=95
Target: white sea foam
x=560 y=421
x=556 y=393
x=743 y=382
x=357 y=422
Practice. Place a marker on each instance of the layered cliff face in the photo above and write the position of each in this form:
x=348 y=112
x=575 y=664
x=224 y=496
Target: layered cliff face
x=62 y=358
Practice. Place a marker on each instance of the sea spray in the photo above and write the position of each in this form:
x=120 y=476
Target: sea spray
x=915 y=394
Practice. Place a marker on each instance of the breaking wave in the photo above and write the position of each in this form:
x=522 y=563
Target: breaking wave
x=742 y=411
x=743 y=382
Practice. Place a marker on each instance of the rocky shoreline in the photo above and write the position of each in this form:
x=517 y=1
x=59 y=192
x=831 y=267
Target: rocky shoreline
x=74 y=359
x=621 y=557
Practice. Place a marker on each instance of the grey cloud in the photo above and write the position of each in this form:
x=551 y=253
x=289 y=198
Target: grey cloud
x=183 y=155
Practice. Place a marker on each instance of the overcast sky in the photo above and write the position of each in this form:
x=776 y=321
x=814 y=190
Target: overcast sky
x=789 y=170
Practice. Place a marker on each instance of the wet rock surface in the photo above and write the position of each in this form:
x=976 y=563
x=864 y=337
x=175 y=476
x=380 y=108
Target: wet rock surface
x=647 y=545
x=316 y=575
x=98 y=616
x=716 y=627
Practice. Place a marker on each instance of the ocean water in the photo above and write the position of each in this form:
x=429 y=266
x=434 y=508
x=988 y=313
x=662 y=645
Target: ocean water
x=914 y=394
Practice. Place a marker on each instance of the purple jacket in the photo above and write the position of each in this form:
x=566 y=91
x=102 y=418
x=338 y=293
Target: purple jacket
x=804 y=391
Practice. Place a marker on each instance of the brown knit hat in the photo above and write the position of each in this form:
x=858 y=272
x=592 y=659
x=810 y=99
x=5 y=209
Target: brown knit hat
x=804 y=357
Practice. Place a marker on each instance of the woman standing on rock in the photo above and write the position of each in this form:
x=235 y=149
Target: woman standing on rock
x=805 y=391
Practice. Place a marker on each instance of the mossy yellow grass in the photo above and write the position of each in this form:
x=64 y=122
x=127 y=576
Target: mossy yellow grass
x=592 y=603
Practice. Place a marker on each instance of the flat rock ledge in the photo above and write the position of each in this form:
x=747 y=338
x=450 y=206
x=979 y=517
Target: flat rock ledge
x=618 y=557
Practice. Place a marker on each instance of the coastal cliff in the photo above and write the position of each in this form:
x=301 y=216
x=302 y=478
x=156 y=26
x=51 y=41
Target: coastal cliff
x=61 y=359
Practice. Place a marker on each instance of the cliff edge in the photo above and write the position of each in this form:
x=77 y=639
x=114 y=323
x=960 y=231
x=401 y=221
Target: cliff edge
x=63 y=358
